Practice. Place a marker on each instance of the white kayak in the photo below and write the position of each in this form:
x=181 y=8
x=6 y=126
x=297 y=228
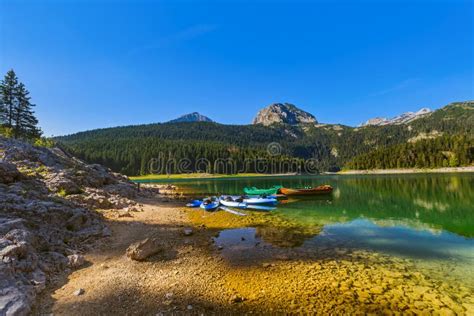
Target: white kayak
x=257 y=200
x=232 y=202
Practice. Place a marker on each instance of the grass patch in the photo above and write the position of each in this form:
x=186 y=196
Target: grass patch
x=62 y=192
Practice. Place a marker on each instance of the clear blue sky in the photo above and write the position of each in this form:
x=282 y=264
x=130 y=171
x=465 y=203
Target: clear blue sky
x=91 y=64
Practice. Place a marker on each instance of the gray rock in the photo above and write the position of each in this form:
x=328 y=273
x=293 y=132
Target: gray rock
x=79 y=292
x=14 y=250
x=9 y=173
x=143 y=249
x=38 y=228
x=75 y=261
x=284 y=113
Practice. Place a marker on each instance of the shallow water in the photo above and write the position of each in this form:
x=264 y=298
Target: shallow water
x=428 y=219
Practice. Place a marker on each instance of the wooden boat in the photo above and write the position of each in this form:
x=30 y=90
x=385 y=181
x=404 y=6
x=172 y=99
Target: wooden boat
x=322 y=189
x=255 y=191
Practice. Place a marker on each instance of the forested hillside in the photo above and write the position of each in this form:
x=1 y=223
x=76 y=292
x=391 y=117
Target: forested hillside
x=443 y=151
x=329 y=147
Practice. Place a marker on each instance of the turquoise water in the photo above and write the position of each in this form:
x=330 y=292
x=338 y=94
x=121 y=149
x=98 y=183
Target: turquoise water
x=427 y=218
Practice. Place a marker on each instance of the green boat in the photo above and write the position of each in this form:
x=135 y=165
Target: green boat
x=254 y=191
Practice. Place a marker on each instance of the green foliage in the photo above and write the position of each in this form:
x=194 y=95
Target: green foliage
x=129 y=149
x=6 y=131
x=16 y=109
x=445 y=151
x=44 y=142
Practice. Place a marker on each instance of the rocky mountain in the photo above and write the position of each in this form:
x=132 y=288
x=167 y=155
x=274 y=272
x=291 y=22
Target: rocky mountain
x=191 y=117
x=285 y=113
x=47 y=216
x=404 y=118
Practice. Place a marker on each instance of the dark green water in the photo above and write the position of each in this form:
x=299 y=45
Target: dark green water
x=429 y=217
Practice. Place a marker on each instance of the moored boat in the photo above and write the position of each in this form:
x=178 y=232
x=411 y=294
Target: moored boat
x=210 y=204
x=255 y=191
x=261 y=200
x=256 y=199
x=194 y=203
x=322 y=189
x=231 y=201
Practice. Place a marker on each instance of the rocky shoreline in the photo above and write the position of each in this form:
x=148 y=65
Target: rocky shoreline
x=78 y=239
x=48 y=218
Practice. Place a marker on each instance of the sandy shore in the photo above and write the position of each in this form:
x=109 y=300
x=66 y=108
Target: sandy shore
x=403 y=171
x=195 y=275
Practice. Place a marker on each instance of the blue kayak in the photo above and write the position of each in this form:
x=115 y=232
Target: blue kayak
x=210 y=204
x=194 y=203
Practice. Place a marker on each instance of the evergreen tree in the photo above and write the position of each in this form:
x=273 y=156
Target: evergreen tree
x=8 y=99
x=16 y=109
x=25 y=122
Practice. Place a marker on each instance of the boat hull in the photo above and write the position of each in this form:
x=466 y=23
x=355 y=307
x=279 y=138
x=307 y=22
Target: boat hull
x=210 y=207
x=254 y=191
x=250 y=200
x=233 y=203
x=194 y=203
x=326 y=189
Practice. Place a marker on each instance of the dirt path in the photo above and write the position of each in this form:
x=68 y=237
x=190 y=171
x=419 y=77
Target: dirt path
x=192 y=275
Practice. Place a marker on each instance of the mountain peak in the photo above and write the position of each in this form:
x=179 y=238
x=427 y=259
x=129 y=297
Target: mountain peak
x=403 y=118
x=191 y=117
x=286 y=113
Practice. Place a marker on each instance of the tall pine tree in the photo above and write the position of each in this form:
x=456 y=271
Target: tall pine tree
x=25 y=122
x=8 y=100
x=16 y=110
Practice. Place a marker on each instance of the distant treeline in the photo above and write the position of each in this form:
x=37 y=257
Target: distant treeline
x=444 y=151
x=202 y=146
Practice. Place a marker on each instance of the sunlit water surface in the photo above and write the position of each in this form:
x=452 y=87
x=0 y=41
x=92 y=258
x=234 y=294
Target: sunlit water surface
x=428 y=219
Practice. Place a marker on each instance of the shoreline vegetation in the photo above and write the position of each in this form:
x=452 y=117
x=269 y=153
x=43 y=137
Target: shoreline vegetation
x=408 y=170
x=209 y=176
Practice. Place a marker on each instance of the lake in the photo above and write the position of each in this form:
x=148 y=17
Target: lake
x=425 y=218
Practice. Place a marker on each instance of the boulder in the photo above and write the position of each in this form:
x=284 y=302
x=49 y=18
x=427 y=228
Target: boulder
x=75 y=261
x=141 y=250
x=9 y=173
x=62 y=184
x=14 y=251
x=7 y=224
